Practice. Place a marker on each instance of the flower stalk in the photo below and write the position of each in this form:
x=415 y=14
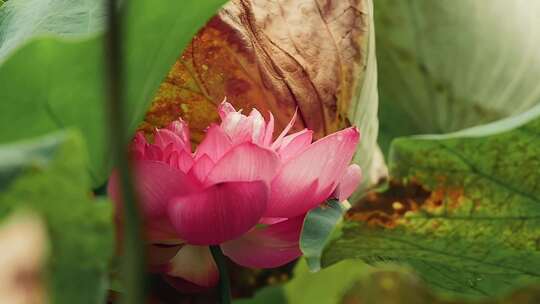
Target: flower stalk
x=224 y=281
x=134 y=264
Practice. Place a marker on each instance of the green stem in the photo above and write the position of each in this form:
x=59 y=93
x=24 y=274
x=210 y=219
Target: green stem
x=224 y=282
x=119 y=136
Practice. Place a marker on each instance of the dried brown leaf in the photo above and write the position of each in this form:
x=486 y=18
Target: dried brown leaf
x=274 y=56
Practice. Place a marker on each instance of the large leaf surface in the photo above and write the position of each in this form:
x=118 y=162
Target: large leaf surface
x=20 y=20
x=325 y=287
x=52 y=83
x=47 y=176
x=467 y=216
x=448 y=65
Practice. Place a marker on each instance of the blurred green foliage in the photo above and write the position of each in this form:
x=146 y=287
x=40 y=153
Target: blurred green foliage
x=50 y=82
x=353 y=282
x=45 y=176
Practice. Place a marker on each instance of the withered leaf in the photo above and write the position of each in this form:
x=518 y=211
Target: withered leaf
x=274 y=56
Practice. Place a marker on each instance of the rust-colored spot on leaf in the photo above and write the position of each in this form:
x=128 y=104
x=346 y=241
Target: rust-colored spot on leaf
x=451 y=196
x=386 y=209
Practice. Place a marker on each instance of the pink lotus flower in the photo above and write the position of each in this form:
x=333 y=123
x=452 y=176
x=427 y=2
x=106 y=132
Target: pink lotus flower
x=239 y=189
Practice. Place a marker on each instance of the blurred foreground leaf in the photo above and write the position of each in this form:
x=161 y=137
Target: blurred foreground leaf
x=20 y=20
x=397 y=286
x=324 y=287
x=463 y=209
x=47 y=175
x=52 y=83
x=449 y=65
x=24 y=244
x=353 y=282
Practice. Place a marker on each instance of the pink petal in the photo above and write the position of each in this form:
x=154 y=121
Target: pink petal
x=138 y=146
x=225 y=109
x=194 y=264
x=181 y=129
x=170 y=155
x=201 y=168
x=278 y=140
x=172 y=159
x=233 y=124
x=267 y=141
x=257 y=126
x=272 y=220
x=156 y=183
x=268 y=247
x=218 y=213
x=295 y=143
x=287 y=199
x=165 y=137
x=245 y=162
x=160 y=230
x=185 y=161
x=154 y=153
x=324 y=161
x=241 y=128
x=348 y=182
x=243 y=131
x=215 y=143
x=181 y=160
